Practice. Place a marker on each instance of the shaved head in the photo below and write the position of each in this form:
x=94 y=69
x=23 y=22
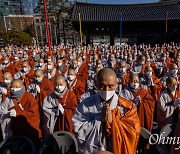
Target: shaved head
x=60 y=80
x=148 y=69
x=71 y=72
x=17 y=84
x=171 y=81
x=106 y=79
x=39 y=73
x=25 y=64
x=122 y=64
x=173 y=66
x=134 y=78
x=8 y=75
x=106 y=72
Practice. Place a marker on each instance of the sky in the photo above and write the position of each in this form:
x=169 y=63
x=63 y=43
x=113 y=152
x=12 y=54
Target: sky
x=121 y=1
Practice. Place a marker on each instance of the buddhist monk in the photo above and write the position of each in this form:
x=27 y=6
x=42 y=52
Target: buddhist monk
x=105 y=121
x=139 y=66
x=151 y=83
x=40 y=87
x=51 y=72
x=7 y=66
x=22 y=112
x=61 y=67
x=26 y=74
x=17 y=62
x=5 y=86
x=169 y=101
x=28 y=59
x=112 y=61
x=82 y=70
x=173 y=72
x=59 y=108
x=74 y=84
x=123 y=76
x=142 y=99
x=42 y=65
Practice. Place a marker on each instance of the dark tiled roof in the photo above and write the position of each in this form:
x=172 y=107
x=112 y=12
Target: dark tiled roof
x=135 y=12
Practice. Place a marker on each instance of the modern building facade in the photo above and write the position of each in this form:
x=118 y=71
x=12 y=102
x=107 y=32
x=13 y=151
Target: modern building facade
x=8 y=7
x=140 y=22
x=18 y=23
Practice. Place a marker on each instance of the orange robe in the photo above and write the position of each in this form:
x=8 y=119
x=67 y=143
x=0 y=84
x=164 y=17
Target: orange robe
x=145 y=108
x=46 y=88
x=125 y=80
x=78 y=87
x=53 y=78
x=155 y=91
x=18 y=65
x=30 y=61
x=10 y=69
x=69 y=103
x=83 y=73
x=27 y=121
x=125 y=130
x=28 y=78
x=1 y=76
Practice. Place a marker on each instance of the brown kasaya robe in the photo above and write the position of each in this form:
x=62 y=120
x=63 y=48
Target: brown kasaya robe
x=27 y=121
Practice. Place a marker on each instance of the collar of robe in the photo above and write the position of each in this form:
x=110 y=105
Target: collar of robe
x=60 y=95
x=18 y=94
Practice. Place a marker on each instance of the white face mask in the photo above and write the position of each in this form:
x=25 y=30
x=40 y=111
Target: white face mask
x=7 y=82
x=49 y=67
x=122 y=70
x=149 y=74
x=49 y=59
x=16 y=58
x=15 y=89
x=106 y=95
x=39 y=80
x=172 y=89
x=174 y=72
x=41 y=64
x=100 y=65
x=60 y=64
x=60 y=88
x=141 y=62
x=79 y=63
x=6 y=62
x=134 y=85
x=71 y=77
x=25 y=69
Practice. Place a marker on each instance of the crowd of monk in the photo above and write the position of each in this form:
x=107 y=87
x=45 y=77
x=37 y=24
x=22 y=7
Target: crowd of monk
x=101 y=94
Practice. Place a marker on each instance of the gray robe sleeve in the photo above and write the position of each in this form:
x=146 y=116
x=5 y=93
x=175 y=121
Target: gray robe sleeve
x=50 y=113
x=88 y=127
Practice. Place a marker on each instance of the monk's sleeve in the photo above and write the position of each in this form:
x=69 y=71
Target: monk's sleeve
x=30 y=111
x=162 y=105
x=68 y=114
x=87 y=127
x=156 y=91
x=125 y=131
x=146 y=110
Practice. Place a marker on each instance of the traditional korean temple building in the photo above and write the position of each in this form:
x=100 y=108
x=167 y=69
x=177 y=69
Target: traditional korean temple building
x=140 y=22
